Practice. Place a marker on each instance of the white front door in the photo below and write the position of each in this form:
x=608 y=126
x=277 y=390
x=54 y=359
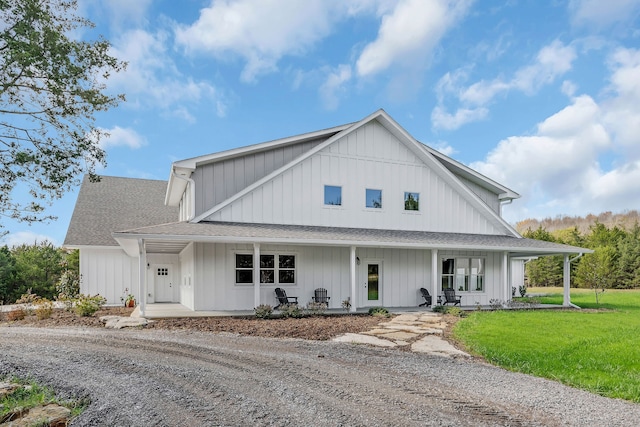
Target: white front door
x=163 y=282
x=371 y=286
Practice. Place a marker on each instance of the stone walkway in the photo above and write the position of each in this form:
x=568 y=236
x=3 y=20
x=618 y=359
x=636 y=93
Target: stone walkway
x=421 y=332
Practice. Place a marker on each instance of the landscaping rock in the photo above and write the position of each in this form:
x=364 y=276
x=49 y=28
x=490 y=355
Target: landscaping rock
x=118 y=322
x=51 y=415
x=7 y=388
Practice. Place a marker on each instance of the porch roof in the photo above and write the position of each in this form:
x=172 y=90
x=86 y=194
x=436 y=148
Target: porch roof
x=173 y=237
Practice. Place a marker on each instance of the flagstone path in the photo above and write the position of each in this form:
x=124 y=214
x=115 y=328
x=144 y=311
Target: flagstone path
x=421 y=332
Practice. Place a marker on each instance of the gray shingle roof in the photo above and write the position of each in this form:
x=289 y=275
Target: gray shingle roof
x=116 y=204
x=300 y=234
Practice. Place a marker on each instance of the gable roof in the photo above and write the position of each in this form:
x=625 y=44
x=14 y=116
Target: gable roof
x=417 y=148
x=116 y=204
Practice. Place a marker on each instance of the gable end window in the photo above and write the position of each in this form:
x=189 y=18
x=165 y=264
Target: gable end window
x=463 y=274
x=332 y=195
x=411 y=201
x=275 y=269
x=373 y=198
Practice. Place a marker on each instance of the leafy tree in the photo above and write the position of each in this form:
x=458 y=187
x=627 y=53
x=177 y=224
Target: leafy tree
x=7 y=272
x=598 y=270
x=38 y=267
x=51 y=86
x=544 y=271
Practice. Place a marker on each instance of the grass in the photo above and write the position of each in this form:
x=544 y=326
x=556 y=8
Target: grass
x=596 y=350
x=33 y=396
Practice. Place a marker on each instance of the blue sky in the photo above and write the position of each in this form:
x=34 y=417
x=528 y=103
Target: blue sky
x=542 y=96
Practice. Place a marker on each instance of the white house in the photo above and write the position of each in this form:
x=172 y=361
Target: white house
x=363 y=210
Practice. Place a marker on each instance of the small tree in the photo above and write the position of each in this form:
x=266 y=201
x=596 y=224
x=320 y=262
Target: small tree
x=597 y=270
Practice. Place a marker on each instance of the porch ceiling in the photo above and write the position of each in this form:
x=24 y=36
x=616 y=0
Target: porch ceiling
x=165 y=246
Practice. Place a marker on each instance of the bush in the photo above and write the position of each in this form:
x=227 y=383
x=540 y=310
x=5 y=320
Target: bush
x=44 y=309
x=68 y=286
x=16 y=314
x=455 y=311
x=346 y=304
x=317 y=308
x=496 y=304
x=85 y=305
x=523 y=290
x=439 y=309
x=263 y=311
x=291 y=310
x=379 y=311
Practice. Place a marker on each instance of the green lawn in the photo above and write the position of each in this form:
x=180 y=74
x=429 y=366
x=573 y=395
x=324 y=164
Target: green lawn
x=594 y=350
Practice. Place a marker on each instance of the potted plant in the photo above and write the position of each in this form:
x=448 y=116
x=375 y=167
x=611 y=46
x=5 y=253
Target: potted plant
x=128 y=299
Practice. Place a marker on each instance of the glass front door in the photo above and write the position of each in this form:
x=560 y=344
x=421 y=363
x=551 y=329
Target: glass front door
x=373 y=286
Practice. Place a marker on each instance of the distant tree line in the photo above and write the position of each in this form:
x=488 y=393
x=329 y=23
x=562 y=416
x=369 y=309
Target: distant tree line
x=37 y=267
x=615 y=262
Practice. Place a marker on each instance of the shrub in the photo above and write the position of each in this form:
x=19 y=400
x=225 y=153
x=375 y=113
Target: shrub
x=68 y=286
x=291 y=310
x=379 y=311
x=439 y=309
x=317 y=308
x=455 y=311
x=16 y=314
x=346 y=304
x=28 y=298
x=263 y=311
x=43 y=309
x=496 y=304
x=513 y=292
x=85 y=305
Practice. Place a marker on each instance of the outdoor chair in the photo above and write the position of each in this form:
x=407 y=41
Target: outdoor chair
x=282 y=297
x=450 y=297
x=320 y=295
x=427 y=298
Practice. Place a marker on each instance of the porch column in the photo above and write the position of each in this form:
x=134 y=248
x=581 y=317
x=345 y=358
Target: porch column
x=566 y=282
x=352 y=262
x=142 y=277
x=256 y=274
x=434 y=277
x=506 y=291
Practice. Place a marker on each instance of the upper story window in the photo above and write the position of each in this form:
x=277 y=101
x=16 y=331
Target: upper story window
x=332 y=195
x=373 y=198
x=411 y=201
x=463 y=274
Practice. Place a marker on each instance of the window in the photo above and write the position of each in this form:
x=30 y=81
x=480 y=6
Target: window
x=374 y=198
x=411 y=201
x=463 y=274
x=332 y=195
x=244 y=268
x=271 y=272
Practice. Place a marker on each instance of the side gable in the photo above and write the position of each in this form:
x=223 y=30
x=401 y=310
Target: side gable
x=115 y=204
x=375 y=153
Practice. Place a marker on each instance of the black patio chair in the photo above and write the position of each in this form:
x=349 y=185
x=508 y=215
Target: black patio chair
x=282 y=297
x=428 y=300
x=450 y=297
x=320 y=295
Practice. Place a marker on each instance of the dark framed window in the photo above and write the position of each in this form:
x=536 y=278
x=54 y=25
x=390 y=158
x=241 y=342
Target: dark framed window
x=274 y=269
x=373 y=198
x=411 y=201
x=463 y=274
x=332 y=195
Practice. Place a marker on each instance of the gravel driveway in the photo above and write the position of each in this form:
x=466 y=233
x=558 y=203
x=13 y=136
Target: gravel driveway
x=180 y=378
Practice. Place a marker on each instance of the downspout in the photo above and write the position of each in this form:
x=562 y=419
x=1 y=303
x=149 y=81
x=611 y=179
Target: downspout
x=192 y=190
x=503 y=203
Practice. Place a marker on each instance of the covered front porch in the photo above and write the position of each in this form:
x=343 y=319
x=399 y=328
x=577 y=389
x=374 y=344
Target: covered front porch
x=344 y=261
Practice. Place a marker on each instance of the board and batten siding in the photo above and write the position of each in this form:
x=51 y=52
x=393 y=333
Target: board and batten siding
x=215 y=182
x=108 y=272
x=187 y=276
x=371 y=157
x=490 y=198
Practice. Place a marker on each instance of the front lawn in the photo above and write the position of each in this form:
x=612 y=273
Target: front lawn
x=596 y=349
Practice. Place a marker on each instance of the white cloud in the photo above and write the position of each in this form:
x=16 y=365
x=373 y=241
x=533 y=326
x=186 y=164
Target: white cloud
x=408 y=34
x=583 y=159
x=333 y=86
x=551 y=62
x=27 y=238
x=152 y=78
x=601 y=14
x=122 y=137
x=259 y=31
